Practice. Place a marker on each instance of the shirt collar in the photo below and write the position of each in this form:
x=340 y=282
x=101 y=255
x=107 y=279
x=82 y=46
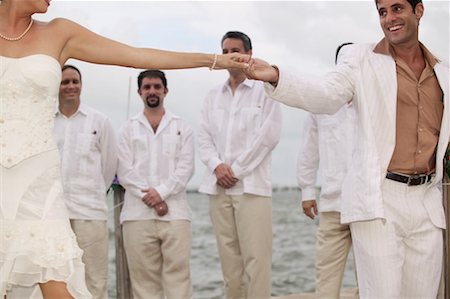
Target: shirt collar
x=167 y=117
x=384 y=48
x=82 y=109
x=247 y=82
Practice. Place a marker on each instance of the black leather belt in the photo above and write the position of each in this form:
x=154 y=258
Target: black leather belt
x=410 y=180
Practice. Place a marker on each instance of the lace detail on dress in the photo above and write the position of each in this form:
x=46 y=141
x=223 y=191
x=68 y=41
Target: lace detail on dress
x=26 y=110
x=22 y=132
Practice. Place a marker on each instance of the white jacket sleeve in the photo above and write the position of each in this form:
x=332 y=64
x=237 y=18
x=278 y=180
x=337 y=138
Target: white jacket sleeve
x=325 y=95
x=184 y=168
x=128 y=176
x=308 y=159
x=108 y=149
x=264 y=142
x=208 y=152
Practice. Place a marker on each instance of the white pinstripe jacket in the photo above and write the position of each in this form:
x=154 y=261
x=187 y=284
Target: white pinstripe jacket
x=371 y=80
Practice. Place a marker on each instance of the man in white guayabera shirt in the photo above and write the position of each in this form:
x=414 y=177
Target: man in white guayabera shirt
x=327 y=144
x=88 y=151
x=156 y=161
x=239 y=128
x=327 y=141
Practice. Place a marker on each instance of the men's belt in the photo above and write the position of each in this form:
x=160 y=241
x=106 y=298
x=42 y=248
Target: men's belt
x=410 y=180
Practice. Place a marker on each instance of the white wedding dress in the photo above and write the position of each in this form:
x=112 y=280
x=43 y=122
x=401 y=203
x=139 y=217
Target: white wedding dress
x=36 y=241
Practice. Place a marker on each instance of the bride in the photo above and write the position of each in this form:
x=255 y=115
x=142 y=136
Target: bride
x=37 y=246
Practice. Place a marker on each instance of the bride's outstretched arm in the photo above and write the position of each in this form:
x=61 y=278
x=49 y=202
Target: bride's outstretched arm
x=83 y=44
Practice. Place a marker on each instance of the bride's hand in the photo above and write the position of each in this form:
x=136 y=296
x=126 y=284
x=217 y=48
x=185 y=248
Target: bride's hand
x=231 y=61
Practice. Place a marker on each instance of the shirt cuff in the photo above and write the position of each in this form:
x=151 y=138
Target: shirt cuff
x=163 y=191
x=237 y=170
x=213 y=163
x=309 y=194
x=135 y=192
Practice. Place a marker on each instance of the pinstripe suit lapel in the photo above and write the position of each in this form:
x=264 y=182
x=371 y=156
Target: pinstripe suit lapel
x=381 y=89
x=385 y=72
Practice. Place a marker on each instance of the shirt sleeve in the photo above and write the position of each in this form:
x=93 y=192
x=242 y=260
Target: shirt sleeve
x=128 y=176
x=264 y=142
x=108 y=149
x=184 y=168
x=207 y=148
x=308 y=159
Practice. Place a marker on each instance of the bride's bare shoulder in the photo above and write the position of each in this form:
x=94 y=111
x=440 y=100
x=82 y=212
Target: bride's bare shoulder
x=61 y=24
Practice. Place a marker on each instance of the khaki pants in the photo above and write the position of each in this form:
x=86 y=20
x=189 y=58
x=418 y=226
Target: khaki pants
x=333 y=244
x=92 y=237
x=243 y=229
x=158 y=255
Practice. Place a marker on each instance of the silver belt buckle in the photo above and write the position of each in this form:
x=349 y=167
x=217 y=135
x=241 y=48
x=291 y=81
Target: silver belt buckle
x=422 y=179
x=408 y=182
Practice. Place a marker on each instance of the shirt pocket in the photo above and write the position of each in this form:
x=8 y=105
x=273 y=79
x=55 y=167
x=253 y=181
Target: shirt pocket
x=250 y=119
x=85 y=144
x=171 y=145
x=139 y=143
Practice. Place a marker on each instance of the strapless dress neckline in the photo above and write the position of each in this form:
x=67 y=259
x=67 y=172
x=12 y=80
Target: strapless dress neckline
x=30 y=56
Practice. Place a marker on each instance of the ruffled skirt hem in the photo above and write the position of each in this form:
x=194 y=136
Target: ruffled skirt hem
x=33 y=252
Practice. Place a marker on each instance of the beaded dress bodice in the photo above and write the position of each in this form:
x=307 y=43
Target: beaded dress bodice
x=28 y=92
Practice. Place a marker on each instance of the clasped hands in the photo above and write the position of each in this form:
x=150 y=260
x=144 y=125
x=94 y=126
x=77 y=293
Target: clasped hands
x=225 y=176
x=154 y=200
x=256 y=69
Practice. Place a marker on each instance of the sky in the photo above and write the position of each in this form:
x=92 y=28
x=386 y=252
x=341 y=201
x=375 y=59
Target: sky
x=299 y=36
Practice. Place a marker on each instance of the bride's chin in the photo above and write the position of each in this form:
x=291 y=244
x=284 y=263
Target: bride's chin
x=41 y=10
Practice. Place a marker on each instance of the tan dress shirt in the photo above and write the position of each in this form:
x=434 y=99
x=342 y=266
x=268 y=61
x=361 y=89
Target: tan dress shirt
x=419 y=115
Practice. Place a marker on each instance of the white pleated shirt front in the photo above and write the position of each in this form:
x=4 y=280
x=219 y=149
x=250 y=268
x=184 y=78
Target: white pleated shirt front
x=163 y=160
x=240 y=130
x=327 y=144
x=88 y=149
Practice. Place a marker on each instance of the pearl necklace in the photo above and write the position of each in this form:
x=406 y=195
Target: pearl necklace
x=13 y=39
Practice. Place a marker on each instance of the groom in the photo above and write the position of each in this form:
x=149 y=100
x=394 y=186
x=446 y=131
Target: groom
x=391 y=195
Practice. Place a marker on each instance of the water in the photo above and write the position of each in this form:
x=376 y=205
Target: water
x=293 y=250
